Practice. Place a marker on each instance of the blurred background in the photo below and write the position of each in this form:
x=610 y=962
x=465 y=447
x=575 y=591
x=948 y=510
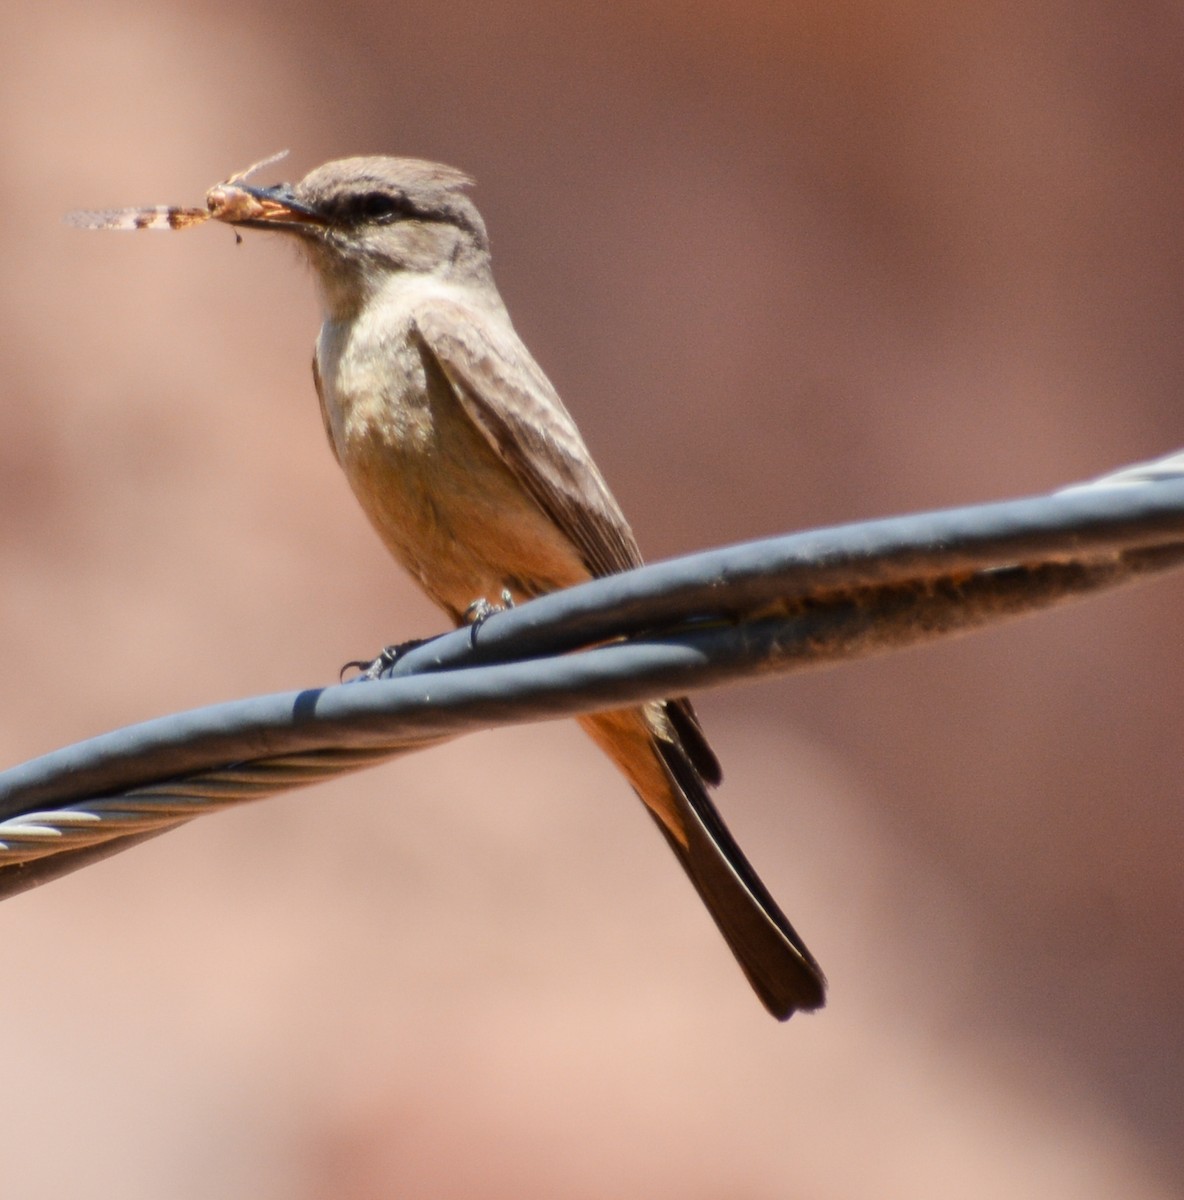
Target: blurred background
x=789 y=263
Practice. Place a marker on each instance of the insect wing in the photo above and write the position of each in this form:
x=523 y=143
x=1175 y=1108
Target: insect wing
x=162 y=216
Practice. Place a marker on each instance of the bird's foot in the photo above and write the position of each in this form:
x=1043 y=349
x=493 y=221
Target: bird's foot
x=373 y=668
x=481 y=610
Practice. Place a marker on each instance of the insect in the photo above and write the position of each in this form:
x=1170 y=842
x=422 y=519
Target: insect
x=225 y=201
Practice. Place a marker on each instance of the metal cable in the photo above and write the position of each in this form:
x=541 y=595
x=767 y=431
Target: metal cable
x=778 y=605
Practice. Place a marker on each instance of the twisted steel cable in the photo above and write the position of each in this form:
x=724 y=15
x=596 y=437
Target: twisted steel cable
x=772 y=606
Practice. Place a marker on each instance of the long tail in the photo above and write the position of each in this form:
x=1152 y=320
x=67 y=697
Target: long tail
x=664 y=755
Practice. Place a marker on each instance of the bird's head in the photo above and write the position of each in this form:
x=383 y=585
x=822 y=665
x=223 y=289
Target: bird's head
x=363 y=220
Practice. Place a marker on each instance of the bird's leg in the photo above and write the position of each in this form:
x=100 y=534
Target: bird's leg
x=481 y=610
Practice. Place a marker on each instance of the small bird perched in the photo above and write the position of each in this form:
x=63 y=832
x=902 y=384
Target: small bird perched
x=477 y=480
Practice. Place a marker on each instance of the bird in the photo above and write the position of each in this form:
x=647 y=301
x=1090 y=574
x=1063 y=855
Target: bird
x=477 y=480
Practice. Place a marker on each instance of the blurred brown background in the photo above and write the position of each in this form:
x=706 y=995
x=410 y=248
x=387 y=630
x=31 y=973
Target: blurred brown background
x=789 y=264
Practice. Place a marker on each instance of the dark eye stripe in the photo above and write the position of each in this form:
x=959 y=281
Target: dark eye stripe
x=373 y=206
x=380 y=207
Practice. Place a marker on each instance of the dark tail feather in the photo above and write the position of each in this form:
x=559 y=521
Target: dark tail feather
x=778 y=965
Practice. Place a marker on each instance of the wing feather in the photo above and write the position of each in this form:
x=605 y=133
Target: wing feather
x=506 y=395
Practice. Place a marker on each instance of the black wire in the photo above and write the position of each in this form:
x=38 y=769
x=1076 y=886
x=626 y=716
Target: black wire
x=712 y=618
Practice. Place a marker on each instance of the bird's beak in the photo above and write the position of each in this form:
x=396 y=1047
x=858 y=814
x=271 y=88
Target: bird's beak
x=262 y=207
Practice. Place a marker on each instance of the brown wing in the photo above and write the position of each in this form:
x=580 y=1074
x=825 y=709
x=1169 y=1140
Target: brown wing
x=507 y=396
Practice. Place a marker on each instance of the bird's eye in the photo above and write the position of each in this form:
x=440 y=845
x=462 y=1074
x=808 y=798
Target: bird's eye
x=376 y=206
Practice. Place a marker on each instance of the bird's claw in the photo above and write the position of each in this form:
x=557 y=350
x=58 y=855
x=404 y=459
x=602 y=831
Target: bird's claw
x=481 y=610
x=388 y=656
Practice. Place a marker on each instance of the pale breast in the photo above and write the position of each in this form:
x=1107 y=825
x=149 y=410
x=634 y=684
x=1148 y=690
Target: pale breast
x=439 y=496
